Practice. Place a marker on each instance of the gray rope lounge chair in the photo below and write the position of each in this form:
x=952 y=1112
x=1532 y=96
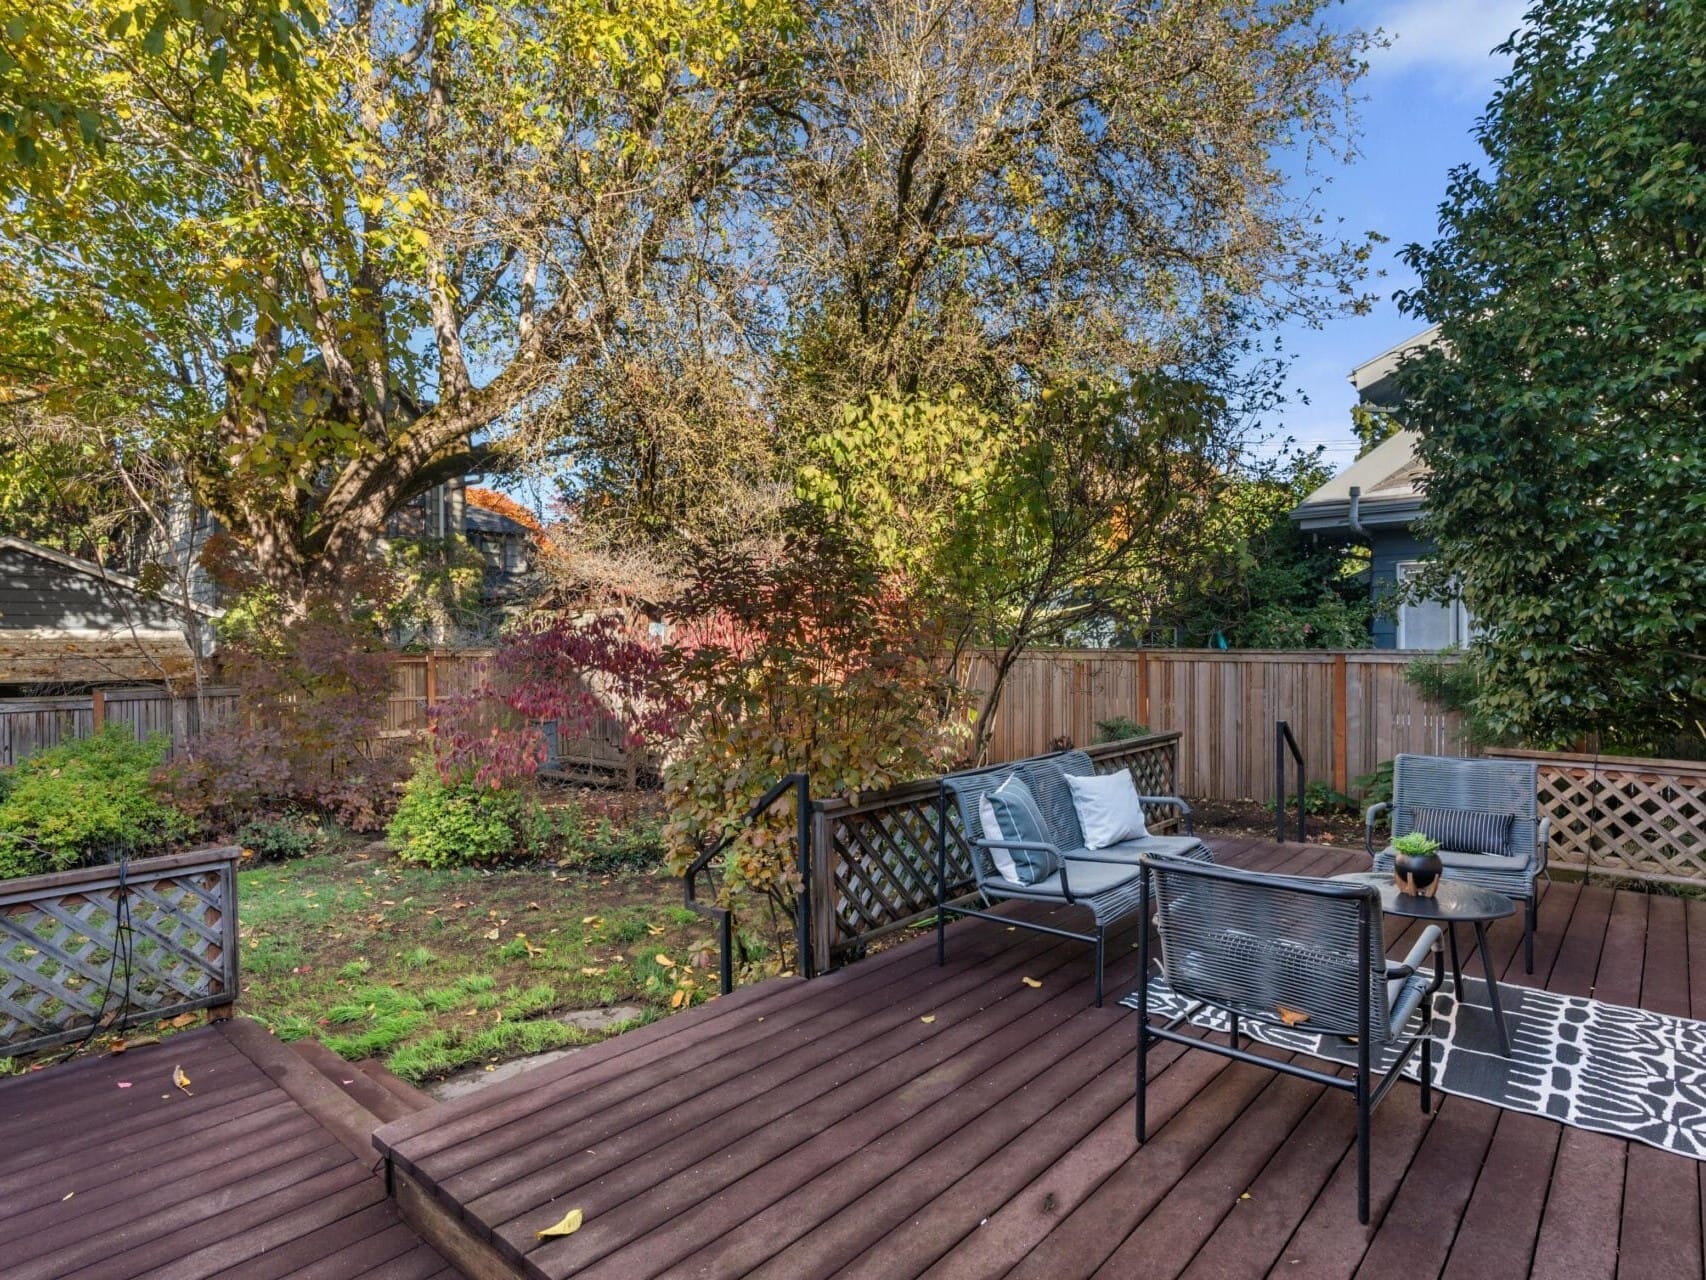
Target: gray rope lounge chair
x=1291 y=951
x=1478 y=787
x=1105 y=881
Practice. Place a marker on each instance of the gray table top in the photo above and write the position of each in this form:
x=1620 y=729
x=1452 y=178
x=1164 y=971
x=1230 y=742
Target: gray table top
x=1454 y=901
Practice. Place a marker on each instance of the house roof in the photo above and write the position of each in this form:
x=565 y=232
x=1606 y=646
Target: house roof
x=100 y=573
x=1373 y=378
x=1389 y=480
x=480 y=520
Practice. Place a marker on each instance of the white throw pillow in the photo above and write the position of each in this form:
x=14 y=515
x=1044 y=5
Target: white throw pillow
x=1108 y=808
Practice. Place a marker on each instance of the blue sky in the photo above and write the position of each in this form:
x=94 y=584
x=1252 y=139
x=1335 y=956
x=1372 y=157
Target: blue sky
x=1421 y=99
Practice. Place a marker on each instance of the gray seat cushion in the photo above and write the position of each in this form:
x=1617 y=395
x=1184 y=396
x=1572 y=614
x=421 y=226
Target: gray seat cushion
x=1511 y=876
x=1158 y=846
x=1087 y=879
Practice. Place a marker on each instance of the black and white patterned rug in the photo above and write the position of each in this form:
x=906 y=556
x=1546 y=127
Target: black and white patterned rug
x=1627 y=1072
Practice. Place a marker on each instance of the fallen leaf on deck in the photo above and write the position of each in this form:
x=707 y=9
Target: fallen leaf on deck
x=1030 y=982
x=570 y=1224
x=180 y=1079
x=1291 y=1017
x=66 y=1196
x=928 y=1018
x=124 y=1084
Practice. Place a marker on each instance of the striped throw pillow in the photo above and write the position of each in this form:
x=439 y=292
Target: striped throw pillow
x=1011 y=810
x=1464 y=830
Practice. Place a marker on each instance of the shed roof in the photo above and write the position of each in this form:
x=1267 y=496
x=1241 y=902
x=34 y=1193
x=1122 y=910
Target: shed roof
x=58 y=657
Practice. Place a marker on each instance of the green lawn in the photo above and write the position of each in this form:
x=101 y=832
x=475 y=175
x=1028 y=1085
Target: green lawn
x=432 y=971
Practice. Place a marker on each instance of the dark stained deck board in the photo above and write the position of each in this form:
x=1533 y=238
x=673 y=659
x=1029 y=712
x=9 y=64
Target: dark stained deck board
x=1660 y=1237
x=799 y=1129
x=842 y=1136
x=886 y=1134
x=235 y=1177
x=995 y=1201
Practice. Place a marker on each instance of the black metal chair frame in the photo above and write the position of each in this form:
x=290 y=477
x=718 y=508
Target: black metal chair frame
x=944 y=908
x=1359 y=1083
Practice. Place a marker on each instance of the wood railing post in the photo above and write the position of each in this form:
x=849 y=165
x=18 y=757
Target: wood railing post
x=97 y=711
x=1341 y=725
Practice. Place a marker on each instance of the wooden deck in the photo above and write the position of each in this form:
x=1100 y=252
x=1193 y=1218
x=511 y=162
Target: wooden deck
x=260 y=1171
x=897 y=1119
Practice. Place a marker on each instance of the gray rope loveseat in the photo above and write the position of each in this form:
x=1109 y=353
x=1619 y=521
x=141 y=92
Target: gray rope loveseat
x=1106 y=881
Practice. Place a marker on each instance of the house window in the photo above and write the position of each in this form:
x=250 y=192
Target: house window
x=1430 y=624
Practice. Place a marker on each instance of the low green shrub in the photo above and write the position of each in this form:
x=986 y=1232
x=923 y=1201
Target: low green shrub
x=86 y=801
x=599 y=844
x=1376 y=787
x=1118 y=728
x=280 y=837
x=441 y=824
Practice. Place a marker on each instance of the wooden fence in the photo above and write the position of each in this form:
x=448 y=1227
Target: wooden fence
x=874 y=855
x=171 y=920
x=1348 y=710
x=29 y=725
x=1622 y=815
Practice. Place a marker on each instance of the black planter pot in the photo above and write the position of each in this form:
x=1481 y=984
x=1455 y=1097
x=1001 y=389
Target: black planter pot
x=1417 y=874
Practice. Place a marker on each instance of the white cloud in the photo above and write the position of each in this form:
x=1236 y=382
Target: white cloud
x=1452 y=36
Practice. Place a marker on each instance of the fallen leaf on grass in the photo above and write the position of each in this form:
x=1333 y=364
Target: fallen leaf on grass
x=664 y=961
x=182 y=1020
x=589 y=919
x=655 y=929
x=181 y=1080
x=592 y=973
x=928 y=1018
x=1030 y=982
x=678 y=999
x=570 y=1224
x=492 y=935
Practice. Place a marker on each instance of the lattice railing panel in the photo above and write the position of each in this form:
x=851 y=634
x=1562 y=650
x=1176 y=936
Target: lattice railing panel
x=1642 y=822
x=62 y=970
x=885 y=864
x=874 y=858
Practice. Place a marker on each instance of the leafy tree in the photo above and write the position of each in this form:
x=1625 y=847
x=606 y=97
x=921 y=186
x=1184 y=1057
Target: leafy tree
x=1011 y=532
x=338 y=287
x=997 y=196
x=1372 y=426
x=1254 y=580
x=1561 y=413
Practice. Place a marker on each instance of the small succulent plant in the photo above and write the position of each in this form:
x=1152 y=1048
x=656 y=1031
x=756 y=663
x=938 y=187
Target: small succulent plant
x=1415 y=845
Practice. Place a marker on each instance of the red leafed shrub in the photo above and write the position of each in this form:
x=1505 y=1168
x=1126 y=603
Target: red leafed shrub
x=575 y=673
x=313 y=694
x=812 y=662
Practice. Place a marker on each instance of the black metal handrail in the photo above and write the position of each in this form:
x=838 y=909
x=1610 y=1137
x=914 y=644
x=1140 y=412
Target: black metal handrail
x=800 y=785
x=1284 y=743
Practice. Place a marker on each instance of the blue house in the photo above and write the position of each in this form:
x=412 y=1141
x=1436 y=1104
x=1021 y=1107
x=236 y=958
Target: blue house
x=1377 y=500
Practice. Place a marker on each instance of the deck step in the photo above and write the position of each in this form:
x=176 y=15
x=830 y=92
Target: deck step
x=412 y=1098
x=363 y=1089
